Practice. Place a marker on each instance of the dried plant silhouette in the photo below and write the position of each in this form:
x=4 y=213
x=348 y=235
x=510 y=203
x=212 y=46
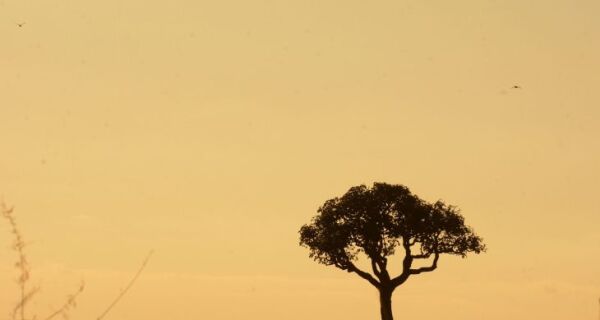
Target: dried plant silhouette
x=375 y=222
x=26 y=294
x=22 y=265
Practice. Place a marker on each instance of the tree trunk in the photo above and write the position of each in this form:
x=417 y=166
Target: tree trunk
x=385 y=299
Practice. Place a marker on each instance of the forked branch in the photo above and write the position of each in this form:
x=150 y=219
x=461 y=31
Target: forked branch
x=432 y=267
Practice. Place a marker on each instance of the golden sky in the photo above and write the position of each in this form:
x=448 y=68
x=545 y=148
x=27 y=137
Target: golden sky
x=210 y=131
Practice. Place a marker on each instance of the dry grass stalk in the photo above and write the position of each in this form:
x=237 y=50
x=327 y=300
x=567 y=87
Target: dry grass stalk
x=22 y=265
x=129 y=285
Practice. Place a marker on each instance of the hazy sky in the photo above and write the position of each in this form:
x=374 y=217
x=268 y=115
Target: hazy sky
x=210 y=131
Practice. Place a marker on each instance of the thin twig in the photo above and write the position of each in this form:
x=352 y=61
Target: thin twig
x=70 y=303
x=124 y=291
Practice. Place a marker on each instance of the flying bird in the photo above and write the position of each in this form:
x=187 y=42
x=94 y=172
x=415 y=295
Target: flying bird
x=20 y=25
x=516 y=87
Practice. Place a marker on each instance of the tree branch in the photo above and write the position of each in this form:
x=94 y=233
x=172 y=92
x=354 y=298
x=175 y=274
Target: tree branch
x=427 y=269
x=408 y=258
x=379 y=266
x=365 y=275
x=374 y=267
x=406 y=264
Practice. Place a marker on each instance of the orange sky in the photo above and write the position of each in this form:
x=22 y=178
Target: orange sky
x=210 y=131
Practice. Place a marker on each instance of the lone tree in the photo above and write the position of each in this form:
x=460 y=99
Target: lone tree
x=377 y=220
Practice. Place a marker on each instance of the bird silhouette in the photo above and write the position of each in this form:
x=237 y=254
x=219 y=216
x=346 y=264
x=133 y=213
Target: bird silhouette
x=20 y=25
x=516 y=87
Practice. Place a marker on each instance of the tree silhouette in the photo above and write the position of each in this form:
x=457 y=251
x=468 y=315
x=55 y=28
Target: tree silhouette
x=375 y=221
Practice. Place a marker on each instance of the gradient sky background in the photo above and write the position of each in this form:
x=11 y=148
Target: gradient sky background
x=210 y=131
